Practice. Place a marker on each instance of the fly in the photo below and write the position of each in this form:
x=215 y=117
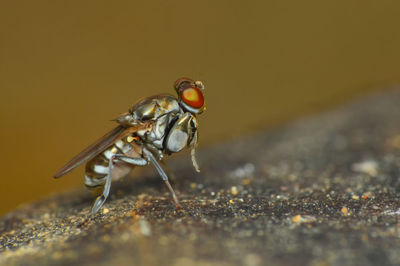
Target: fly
x=154 y=127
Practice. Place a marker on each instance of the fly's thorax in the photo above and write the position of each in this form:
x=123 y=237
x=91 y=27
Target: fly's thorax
x=153 y=107
x=160 y=129
x=150 y=108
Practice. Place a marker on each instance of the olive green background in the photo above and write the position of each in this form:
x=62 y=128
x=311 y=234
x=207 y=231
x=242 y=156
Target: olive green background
x=68 y=67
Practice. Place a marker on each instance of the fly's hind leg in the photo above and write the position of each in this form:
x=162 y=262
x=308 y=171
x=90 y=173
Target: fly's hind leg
x=115 y=158
x=163 y=175
x=106 y=190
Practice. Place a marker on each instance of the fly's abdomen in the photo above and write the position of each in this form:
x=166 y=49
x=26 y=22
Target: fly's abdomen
x=97 y=169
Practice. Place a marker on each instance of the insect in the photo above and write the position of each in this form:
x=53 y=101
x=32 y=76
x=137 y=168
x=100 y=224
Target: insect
x=154 y=127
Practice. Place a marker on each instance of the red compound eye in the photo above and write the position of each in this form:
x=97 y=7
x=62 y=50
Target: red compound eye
x=193 y=97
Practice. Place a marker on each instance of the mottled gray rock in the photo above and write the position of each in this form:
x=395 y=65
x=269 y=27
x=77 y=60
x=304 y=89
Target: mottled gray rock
x=321 y=191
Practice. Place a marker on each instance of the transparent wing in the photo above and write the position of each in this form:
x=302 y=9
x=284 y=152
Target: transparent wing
x=97 y=147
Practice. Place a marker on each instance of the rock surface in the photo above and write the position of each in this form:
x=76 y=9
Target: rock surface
x=323 y=190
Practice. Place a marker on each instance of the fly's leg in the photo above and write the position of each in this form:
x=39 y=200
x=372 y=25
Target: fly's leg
x=106 y=190
x=193 y=152
x=116 y=157
x=170 y=174
x=194 y=161
x=163 y=175
x=131 y=160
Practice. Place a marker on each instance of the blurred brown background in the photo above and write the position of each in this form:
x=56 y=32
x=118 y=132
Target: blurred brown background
x=68 y=67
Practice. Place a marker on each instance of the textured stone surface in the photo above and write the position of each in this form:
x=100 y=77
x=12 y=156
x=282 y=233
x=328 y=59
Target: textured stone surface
x=320 y=191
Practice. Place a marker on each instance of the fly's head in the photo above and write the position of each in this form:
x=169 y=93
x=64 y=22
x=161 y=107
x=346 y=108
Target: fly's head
x=190 y=94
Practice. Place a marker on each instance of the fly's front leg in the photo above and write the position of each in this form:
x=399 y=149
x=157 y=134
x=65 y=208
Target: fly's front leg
x=163 y=175
x=114 y=158
x=193 y=152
